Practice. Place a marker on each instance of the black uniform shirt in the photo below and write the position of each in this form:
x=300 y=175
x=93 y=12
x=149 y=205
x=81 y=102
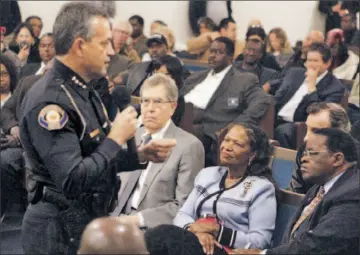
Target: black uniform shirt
x=63 y=131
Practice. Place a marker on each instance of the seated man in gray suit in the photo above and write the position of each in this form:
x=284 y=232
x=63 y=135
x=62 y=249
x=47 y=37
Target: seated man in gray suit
x=223 y=95
x=153 y=196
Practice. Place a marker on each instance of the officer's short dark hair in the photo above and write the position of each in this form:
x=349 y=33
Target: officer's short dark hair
x=138 y=18
x=229 y=45
x=73 y=21
x=323 y=49
x=339 y=141
x=224 y=23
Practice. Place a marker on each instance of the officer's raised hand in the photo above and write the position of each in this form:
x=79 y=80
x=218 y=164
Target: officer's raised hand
x=124 y=126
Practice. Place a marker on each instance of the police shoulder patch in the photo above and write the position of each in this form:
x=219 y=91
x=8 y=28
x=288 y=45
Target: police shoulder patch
x=52 y=117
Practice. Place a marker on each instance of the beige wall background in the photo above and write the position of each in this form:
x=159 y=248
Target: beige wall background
x=296 y=17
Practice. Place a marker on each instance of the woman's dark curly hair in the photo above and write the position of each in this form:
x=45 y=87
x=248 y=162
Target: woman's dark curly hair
x=259 y=144
x=12 y=70
x=174 y=67
x=17 y=31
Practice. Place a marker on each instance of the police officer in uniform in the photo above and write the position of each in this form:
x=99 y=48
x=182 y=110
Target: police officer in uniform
x=72 y=151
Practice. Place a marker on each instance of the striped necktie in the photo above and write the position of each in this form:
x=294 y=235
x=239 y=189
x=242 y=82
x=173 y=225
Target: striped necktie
x=309 y=209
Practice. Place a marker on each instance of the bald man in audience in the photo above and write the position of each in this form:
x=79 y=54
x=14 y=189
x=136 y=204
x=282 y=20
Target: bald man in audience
x=299 y=57
x=110 y=235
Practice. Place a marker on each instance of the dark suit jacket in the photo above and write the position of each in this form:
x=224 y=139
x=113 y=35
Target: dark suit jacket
x=135 y=76
x=239 y=98
x=118 y=64
x=334 y=226
x=10 y=112
x=30 y=69
x=264 y=74
x=333 y=20
x=329 y=89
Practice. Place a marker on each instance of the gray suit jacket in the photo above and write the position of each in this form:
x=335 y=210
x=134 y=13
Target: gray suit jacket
x=168 y=184
x=239 y=98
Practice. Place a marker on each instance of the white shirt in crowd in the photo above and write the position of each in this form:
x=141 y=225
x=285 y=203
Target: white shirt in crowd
x=41 y=69
x=288 y=110
x=140 y=184
x=4 y=101
x=201 y=94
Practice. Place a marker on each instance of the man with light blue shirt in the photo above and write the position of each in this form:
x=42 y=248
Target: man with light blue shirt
x=328 y=220
x=153 y=196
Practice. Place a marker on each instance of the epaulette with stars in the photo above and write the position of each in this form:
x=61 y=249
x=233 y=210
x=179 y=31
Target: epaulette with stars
x=78 y=83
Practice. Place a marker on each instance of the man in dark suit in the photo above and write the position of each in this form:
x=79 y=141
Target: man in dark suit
x=328 y=220
x=321 y=115
x=46 y=52
x=135 y=76
x=253 y=53
x=223 y=95
x=302 y=87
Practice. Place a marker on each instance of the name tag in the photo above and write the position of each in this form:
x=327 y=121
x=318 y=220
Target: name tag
x=233 y=102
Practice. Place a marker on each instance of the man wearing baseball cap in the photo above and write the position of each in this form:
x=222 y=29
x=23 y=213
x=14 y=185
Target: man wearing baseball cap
x=158 y=46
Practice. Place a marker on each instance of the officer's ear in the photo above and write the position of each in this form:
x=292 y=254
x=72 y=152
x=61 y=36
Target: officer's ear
x=78 y=47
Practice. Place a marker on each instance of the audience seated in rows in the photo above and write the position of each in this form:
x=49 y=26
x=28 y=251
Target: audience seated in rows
x=138 y=38
x=320 y=115
x=121 y=35
x=253 y=53
x=344 y=64
x=23 y=44
x=46 y=51
x=302 y=87
x=170 y=38
x=201 y=44
x=268 y=60
x=279 y=46
x=153 y=196
x=349 y=26
x=228 y=202
x=223 y=95
x=327 y=221
x=10 y=144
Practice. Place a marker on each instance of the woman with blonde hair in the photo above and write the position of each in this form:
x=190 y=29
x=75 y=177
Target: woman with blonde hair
x=279 y=46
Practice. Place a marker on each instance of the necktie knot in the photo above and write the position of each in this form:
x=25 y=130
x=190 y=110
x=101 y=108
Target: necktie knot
x=147 y=139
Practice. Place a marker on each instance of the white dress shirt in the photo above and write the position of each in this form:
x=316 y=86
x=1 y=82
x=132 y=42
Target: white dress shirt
x=288 y=110
x=327 y=187
x=41 y=69
x=140 y=184
x=4 y=101
x=201 y=94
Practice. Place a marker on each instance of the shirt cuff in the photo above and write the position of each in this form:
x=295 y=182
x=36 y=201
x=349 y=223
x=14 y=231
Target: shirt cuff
x=141 y=220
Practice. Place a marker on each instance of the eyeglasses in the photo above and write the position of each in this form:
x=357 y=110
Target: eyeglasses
x=309 y=153
x=156 y=102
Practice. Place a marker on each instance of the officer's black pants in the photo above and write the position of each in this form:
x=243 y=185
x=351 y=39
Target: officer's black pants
x=42 y=232
x=11 y=176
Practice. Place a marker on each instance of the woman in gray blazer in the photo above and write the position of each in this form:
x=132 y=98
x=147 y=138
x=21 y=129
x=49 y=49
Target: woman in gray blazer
x=234 y=204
